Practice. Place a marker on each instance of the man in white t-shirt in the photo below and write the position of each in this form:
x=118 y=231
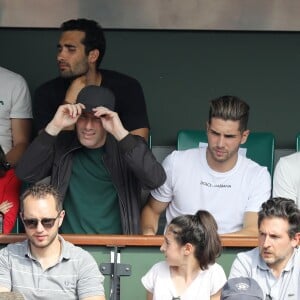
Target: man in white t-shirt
x=215 y=178
x=286 y=181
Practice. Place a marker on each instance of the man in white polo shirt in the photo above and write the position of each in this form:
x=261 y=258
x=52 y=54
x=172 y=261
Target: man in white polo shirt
x=45 y=266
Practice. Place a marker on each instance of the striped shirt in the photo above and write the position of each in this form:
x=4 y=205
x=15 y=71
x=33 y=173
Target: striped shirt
x=75 y=275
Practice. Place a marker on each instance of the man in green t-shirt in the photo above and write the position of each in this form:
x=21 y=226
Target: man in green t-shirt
x=99 y=168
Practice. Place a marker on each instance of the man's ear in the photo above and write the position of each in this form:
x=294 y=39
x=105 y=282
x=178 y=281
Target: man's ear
x=245 y=135
x=93 y=55
x=296 y=239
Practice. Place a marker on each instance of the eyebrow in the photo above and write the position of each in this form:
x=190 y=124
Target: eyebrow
x=218 y=133
x=66 y=45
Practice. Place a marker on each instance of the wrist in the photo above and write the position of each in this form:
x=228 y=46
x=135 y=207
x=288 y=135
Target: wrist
x=120 y=134
x=52 y=129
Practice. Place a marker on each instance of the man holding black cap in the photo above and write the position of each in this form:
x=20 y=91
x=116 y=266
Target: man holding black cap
x=99 y=168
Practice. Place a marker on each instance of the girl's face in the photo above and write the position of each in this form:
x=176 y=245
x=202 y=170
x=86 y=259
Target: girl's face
x=174 y=253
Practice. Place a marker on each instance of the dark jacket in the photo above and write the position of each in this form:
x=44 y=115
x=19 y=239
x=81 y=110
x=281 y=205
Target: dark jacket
x=130 y=163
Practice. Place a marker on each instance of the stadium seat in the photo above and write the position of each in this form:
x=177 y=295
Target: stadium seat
x=260 y=145
x=298 y=142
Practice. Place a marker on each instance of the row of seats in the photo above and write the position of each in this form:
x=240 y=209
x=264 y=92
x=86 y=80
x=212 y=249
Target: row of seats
x=260 y=146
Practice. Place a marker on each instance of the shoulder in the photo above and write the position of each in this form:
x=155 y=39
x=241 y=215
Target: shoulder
x=290 y=160
x=76 y=253
x=56 y=83
x=250 y=257
x=252 y=166
x=15 y=250
x=11 y=77
x=189 y=154
x=114 y=79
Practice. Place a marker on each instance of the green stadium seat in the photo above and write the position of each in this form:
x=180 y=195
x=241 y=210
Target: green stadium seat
x=298 y=142
x=260 y=145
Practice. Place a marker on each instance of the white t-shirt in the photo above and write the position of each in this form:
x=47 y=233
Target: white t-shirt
x=15 y=103
x=158 y=281
x=287 y=178
x=192 y=185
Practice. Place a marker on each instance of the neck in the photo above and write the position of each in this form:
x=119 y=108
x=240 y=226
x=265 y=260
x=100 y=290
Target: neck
x=221 y=166
x=187 y=271
x=52 y=250
x=93 y=77
x=278 y=267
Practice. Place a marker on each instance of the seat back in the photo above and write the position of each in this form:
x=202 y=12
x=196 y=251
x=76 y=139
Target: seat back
x=260 y=145
x=298 y=142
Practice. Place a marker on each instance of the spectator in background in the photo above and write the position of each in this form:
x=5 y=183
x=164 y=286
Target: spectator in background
x=216 y=178
x=275 y=263
x=45 y=266
x=81 y=48
x=286 y=182
x=191 y=246
x=15 y=134
x=99 y=169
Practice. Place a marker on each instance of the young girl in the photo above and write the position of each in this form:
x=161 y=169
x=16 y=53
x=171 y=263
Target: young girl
x=191 y=246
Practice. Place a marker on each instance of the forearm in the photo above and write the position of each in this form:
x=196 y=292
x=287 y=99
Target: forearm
x=149 y=221
x=14 y=155
x=142 y=162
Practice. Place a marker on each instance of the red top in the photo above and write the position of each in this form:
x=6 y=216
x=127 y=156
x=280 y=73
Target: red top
x=10 y=187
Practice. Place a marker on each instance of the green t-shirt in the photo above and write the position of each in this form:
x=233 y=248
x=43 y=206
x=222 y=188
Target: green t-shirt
x=91 y=202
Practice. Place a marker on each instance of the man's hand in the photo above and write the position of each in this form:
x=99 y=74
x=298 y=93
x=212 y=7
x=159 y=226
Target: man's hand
x=65 y=116
x=111 y=122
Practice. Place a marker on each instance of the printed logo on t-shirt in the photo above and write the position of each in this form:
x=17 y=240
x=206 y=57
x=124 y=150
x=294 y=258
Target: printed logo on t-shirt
x=212 y=185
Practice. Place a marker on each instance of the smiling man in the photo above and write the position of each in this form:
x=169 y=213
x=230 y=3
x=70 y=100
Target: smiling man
x=45 y=266
x=99 y=168
x=215 y=178
x=275 y=263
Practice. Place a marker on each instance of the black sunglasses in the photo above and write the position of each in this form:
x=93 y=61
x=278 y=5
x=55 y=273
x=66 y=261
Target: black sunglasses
x=46 y=222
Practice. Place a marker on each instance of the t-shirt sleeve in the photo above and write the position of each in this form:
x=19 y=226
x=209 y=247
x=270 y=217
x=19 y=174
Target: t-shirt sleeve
x=21 y=100
x=148 y=280
x=283 y=185
x=218 y=279
x=260 y=189
x=165 y=192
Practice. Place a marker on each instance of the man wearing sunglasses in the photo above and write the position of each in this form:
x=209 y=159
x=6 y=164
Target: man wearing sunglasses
x=45 y=266
x=99 y=168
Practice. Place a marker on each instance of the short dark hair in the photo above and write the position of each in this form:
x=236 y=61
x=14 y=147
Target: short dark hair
x=40 y=190
x=283 y=208
x=201 y=230
x=230 y=108
x=94 y=35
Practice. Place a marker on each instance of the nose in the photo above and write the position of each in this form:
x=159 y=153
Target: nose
x=61 y=55
x=39 y=227
x=220 y=141
x=162 y=248
x=266 y=242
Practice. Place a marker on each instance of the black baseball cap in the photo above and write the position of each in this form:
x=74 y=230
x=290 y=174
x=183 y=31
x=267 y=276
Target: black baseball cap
x=93 y=96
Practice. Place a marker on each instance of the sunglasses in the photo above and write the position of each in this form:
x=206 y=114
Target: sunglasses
x=46 y=222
